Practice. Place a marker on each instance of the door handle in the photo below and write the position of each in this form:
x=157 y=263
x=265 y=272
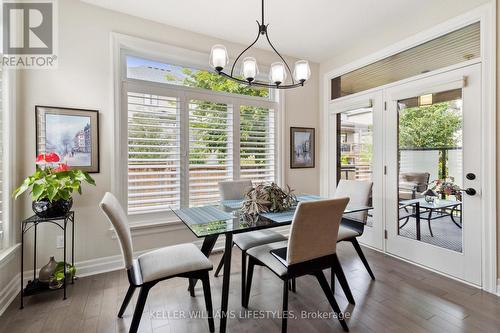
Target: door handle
x=469 y=191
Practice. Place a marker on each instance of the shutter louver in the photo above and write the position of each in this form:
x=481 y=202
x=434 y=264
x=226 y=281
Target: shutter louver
x=153 y=153
x=257 y=144
x=210 y=150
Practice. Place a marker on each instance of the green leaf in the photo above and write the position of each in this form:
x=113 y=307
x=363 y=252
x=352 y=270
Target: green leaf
x=38 y=189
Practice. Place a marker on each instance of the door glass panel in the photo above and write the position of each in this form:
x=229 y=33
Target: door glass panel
x=430 y=169
x=355 y=143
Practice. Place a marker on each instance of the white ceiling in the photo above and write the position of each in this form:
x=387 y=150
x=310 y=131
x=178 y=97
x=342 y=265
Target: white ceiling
x=316 y=30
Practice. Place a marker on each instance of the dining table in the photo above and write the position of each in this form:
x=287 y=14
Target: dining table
x=226 y=219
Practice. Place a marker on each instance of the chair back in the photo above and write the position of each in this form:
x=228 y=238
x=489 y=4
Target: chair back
x=234 y=189
x=117 y=216
x=419 y=179
x=314 y=229
x=359 y=193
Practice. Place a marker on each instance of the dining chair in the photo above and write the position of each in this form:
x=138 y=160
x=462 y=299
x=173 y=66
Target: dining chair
x=310 y=249
x=183 y=260
x=353 y=224
x=236 y=190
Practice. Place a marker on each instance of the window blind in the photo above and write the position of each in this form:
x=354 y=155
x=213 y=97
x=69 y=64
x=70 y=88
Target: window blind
x=153 y=153
x=257 y=144
x=210 y=150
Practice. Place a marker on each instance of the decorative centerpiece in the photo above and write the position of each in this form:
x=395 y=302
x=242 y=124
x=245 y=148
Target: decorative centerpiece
x=429 y=195
x=447 y=187
x=268 y=198
x=56 y=280
x=52 y=186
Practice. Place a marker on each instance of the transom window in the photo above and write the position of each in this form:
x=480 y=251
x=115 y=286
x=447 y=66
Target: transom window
x=189 y=129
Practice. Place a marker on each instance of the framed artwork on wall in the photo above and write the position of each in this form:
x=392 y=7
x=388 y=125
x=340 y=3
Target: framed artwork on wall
x=71 y=133
x=302 y=147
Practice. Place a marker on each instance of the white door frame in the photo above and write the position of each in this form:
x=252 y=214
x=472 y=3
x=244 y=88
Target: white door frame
x=486 y=15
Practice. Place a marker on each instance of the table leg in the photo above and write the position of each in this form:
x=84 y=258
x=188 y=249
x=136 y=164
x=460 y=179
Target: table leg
x=225 y=282
x=34 y=255
x=206 y=249
x=417 y=221
x=453 y=209
x=429 y=222
x=73 y=247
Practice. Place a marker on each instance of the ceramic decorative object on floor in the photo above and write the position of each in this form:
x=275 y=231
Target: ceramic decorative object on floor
x=47 y=271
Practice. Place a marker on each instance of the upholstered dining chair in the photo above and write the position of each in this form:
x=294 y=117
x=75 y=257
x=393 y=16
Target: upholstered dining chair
x=310 y=249
x=183 y=260
x=353 y=224
x=236 y=190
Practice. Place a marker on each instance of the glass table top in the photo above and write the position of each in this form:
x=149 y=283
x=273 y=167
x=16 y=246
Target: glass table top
x=227 y=218
x=438 y=203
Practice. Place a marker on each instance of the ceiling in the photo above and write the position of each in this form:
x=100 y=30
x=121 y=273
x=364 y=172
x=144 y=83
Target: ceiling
x=316 y=30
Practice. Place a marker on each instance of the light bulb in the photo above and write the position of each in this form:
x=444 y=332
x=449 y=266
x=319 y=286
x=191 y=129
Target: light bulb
x=249 y=69
x=302 y=71
x=218 y=57
x=277 y=74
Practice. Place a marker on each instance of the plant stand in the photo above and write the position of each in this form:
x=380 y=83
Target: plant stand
x=35 y=286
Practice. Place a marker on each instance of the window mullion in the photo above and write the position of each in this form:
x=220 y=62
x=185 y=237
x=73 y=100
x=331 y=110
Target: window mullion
x=236 y=140
x=184 y=144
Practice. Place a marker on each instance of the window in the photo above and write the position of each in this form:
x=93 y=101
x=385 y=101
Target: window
x=189 y=130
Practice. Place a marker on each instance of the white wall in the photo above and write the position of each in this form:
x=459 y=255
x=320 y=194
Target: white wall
x=84 y=80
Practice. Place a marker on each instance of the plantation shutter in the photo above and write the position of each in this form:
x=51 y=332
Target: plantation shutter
x=2 y=183
x=154 y=156
x=210 y=150
x=257 y=144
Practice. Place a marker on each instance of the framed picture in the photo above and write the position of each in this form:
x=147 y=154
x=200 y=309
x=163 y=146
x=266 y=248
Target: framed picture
x=302 y=147
x=71 y=133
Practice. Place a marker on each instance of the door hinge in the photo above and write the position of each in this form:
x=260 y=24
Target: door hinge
x=385 y=233
x=385 y=106
x=385 y=169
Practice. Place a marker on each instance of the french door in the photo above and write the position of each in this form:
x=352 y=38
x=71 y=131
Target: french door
x=356 y=127
x=433 y=160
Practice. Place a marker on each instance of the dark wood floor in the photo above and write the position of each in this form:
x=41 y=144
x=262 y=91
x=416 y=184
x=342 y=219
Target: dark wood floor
x=403 y=299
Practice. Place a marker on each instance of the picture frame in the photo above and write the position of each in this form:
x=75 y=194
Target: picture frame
x=302 y=147
x=71 y=133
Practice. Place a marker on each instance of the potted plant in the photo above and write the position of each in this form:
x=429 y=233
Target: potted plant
x=268 y=198
x=52 y=186
x=57 y=279
x=447 y=187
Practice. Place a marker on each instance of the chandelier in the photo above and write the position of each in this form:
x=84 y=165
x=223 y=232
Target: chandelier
x=250 y=70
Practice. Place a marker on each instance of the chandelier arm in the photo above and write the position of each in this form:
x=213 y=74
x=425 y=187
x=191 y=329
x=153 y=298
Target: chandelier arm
x=276 y=51
x=237 y=58
x=261 y=84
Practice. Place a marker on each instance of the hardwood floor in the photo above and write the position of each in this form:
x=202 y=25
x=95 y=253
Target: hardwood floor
x=404 y=298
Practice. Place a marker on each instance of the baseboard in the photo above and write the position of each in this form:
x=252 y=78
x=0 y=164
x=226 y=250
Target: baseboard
x=9 y=293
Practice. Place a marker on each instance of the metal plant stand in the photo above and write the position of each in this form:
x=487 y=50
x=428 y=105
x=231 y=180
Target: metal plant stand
x=35 y=286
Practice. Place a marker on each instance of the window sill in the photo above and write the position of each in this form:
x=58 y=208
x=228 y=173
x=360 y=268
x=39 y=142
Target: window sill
x=8 y=253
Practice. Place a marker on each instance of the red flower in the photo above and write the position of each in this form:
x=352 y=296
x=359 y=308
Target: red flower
x=62 y=167
x=47 y=158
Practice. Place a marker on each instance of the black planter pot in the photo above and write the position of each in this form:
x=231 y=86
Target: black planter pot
x=46 y=209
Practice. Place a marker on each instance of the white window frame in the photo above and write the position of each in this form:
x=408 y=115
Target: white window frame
x=8 y=133
x=124 y=46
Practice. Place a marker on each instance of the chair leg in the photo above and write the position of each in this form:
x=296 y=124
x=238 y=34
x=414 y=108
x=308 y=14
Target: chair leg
x=251 y=265
x=294 y=285
x=361 y=255
x=243 y=276
x=139 y=308
x=285 y=307
x=332 y=280
x=208 y=301
x=339 y=272
x=333 y=303
x=126 y=300
x=219 y=267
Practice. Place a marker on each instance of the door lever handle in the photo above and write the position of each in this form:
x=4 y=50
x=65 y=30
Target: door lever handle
x=469 y=191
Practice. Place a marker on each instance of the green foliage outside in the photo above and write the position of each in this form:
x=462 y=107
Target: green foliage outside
x=207 y=141
x=435 y=126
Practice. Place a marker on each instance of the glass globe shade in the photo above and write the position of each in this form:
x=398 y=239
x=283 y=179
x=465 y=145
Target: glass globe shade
x=277 y=74
x=302 y=71
x=218 y=57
